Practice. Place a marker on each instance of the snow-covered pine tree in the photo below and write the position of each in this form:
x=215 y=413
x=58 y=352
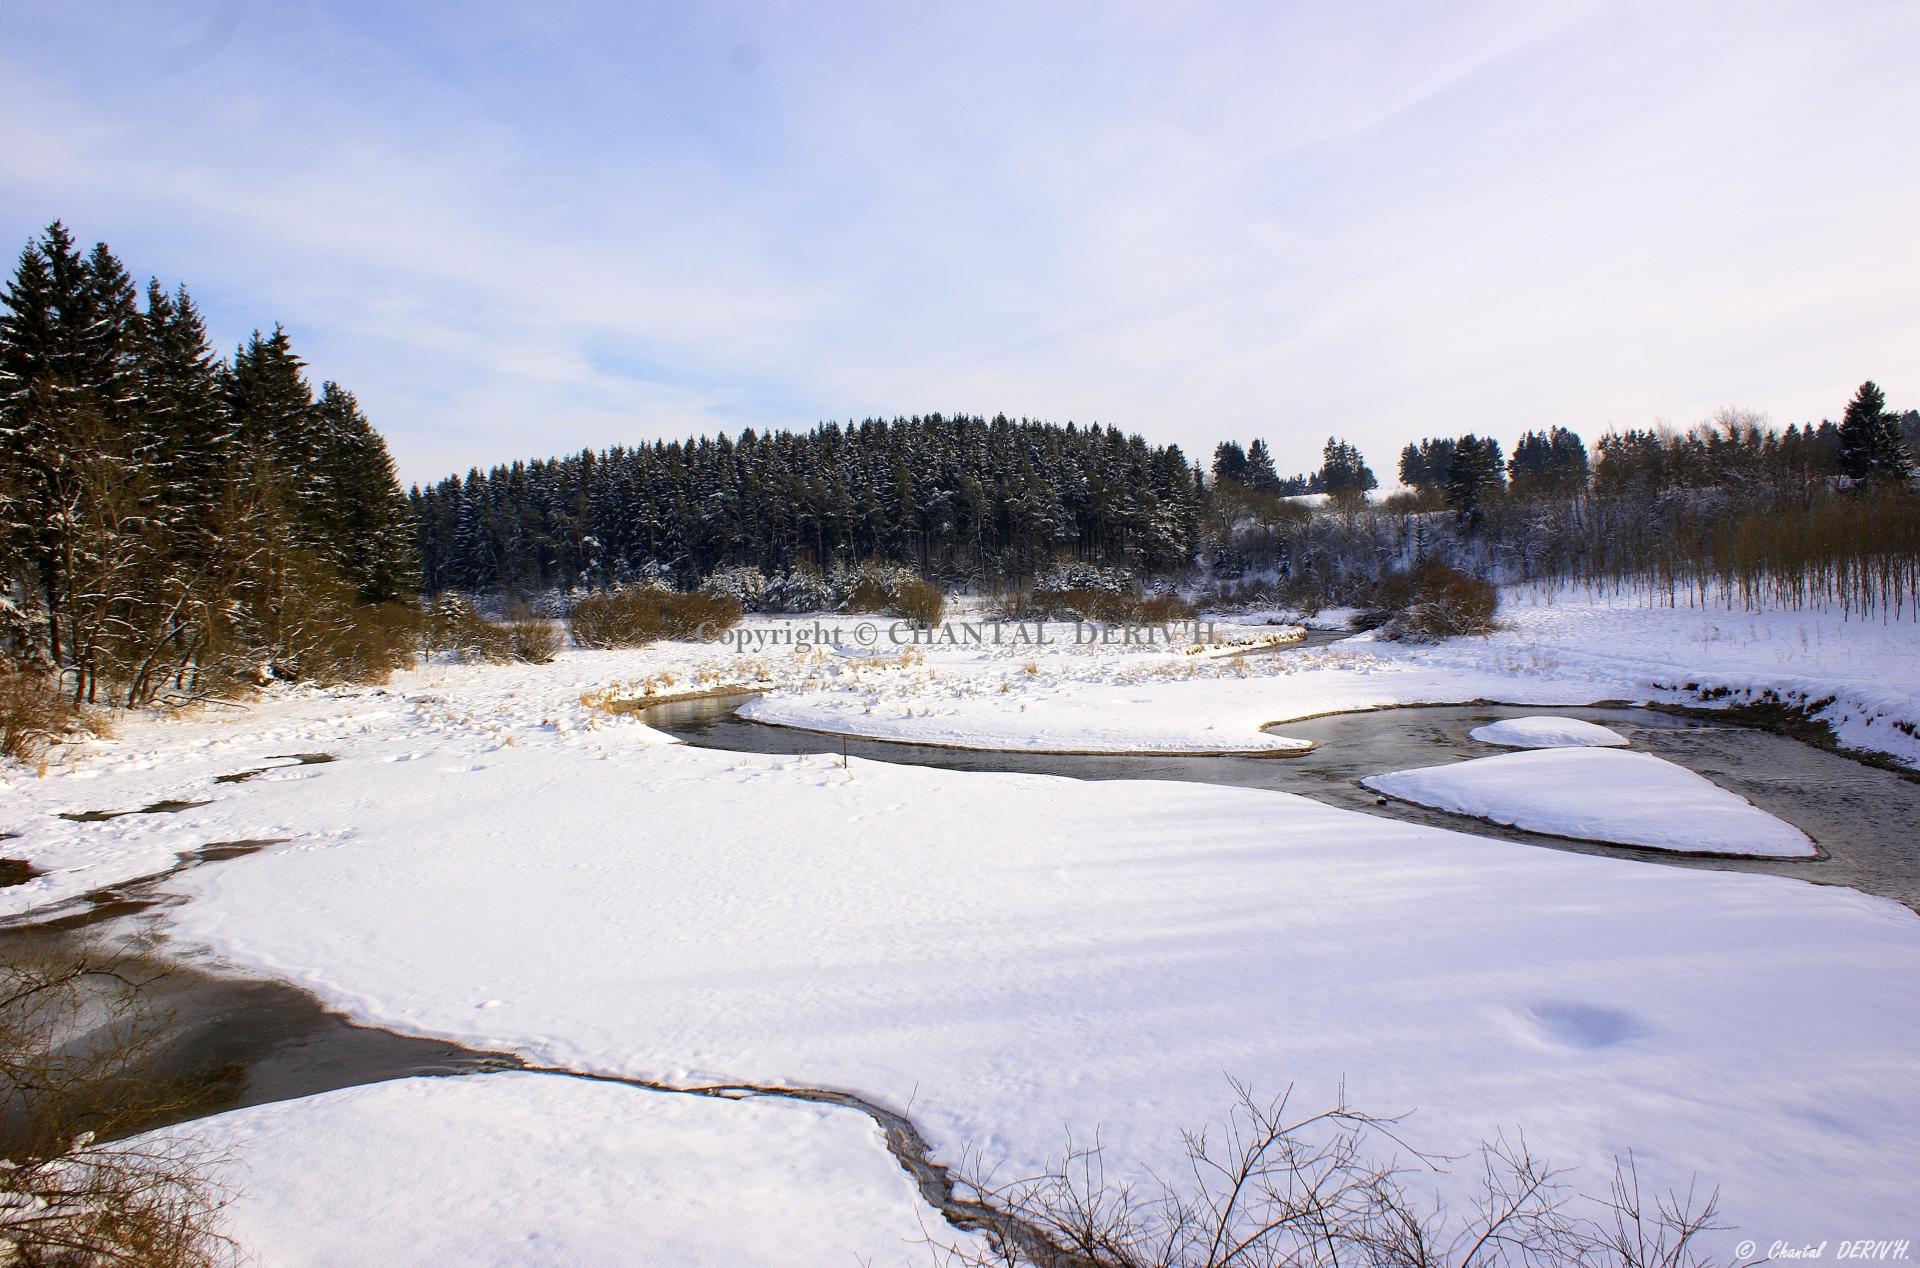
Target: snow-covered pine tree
x=1475 y=474
x=1871 y=446
x=1230 y=462
x=369 y=537
x=1261 y=477
x=1344 y=475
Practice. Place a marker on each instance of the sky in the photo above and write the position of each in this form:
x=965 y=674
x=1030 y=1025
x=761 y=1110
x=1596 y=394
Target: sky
x=516 y=230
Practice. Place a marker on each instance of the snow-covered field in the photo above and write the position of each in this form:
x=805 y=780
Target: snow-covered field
x=1600 y=794
x=494 y=857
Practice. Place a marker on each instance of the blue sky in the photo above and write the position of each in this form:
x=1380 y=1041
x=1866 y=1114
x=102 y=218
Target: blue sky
x=516 y=230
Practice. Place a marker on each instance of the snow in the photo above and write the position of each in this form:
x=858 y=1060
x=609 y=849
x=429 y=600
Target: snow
x=1020 y=958
x=1547 y=731
x=528 y=1169
x=1560 y=647
x=1598 y=794
x=496 y=858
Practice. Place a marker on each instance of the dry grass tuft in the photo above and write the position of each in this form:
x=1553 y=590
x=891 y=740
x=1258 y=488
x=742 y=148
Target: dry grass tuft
x=33 y=715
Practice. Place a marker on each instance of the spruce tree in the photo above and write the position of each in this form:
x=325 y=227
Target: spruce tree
x=187 y=417
x=369 y=536
x=1260 y=476
x=1230 y=462
x=1871 y=446
x=68 y=394
x=1344 y=475
x=1474 y=475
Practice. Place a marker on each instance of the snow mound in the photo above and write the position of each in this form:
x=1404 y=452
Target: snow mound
x=527 y=1169
x=1599 y=794
x=1547 y=731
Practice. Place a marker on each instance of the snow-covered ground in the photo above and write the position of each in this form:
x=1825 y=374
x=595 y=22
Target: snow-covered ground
x=526 y=1169
x=495 y=857
x=1024 y=958
x=1557 y=648
x=1600 y=794
x=1547 y=731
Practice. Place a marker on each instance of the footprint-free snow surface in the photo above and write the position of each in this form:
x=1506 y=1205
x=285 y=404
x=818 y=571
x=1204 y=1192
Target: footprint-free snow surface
x=531 y=1169
x=1546 y=731
x=1017 y=961
x=1598 y=794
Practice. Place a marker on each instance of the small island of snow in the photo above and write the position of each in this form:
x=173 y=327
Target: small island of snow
x=1547 y=731
x=1598 y=794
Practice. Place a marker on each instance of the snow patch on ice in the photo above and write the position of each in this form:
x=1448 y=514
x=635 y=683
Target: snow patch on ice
x=1598 y=794
x=1547 y=731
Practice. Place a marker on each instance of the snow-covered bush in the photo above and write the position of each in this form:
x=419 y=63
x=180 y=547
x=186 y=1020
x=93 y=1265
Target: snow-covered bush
x=455 y=627
x=866 y=587
x=1086 y=577
x=744 y=584
x=1089 y=592
x=799 y=589
x=893 y=589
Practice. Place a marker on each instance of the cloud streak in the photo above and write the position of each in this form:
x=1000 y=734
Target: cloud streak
x=514 y=234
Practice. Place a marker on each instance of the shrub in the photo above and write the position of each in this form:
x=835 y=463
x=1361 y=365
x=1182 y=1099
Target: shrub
x=1111 y=607
x=888 y=588
x=368 y=646
x=1086 y=577
x=32 y=714
x=918 y=601
x=640 y=615
x=456 y=627
x=1432 y=602
x=79 y=1043
x=1276 y=1188
x=534 y=642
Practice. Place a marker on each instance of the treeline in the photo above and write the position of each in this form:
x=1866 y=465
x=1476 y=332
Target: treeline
x=1731 y=510
x=172 y=522
x=959 y=499
x=177 y=523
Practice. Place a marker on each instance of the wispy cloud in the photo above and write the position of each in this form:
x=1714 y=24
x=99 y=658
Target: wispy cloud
x=515 y=233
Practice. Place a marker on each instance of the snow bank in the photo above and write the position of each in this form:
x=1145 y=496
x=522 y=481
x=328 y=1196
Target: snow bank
x=1599 y=794
x=1547 y=731
x=525 y=1169
x=1017 y=959
x=1556 y=648
x=1189 y=705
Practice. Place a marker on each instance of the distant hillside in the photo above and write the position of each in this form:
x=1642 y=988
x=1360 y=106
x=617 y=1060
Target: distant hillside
x=956 y=498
